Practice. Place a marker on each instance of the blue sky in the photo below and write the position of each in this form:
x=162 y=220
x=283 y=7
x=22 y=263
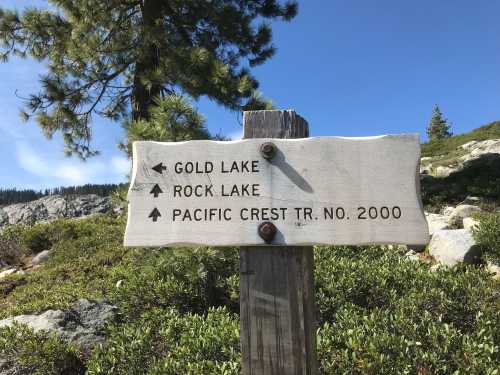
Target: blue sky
x=351 y=68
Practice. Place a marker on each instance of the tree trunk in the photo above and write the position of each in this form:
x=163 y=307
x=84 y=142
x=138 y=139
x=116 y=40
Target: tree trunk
x=143 y=96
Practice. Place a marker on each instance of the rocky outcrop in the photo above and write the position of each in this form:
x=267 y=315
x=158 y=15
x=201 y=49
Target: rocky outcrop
x=436 y=222
x=55 y=207
x=473 y=153
x=450 y=247
x=82 y=325
x=462 y=211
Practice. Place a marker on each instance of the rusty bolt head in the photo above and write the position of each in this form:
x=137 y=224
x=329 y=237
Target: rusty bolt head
x=267 y=231
x=267 y=150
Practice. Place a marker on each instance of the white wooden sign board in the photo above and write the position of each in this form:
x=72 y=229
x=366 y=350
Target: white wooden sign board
x=325 y=190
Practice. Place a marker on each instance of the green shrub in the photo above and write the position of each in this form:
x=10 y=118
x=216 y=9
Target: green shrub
x=190 y=280
x=383 y=314
x=169 y=343
x=487 y=235
x=11 y=252
x=27 y=352
x=82 y=265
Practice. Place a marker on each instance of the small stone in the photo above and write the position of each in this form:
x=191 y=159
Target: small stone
x=119 y=283
x=412 y=255
x=436 y=222
x=8 y=272
x=448 y=210
x=444 y=171
x=461 y=212
x=435 y=267
x=494 y=270
x=41 y=257
x=470 y=223
x=450 y=247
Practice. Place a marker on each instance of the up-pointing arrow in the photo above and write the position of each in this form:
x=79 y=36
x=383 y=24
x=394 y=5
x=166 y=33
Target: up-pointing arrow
x=156 y=191
x=155 y=214
x=159 y=168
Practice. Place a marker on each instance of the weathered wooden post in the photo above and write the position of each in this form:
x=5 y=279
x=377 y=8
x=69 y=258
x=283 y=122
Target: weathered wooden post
x=277 y=311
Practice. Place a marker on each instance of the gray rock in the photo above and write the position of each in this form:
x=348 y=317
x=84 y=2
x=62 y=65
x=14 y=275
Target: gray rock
x=476 y=152
x=448 y=210
x=412 y=255
x=471 y=200
x=460 y=212
x=83 y=324
x=494 y=270
x=442 y=171
x=55 y=207
x=450 y=247
x=7 y=272
x=41 y=257
x=4 y=218
x=436 y=222
x=470 y=223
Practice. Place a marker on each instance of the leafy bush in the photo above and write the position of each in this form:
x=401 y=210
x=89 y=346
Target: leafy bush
x=383 y=314
x=10 y=251
x=23 y=351
x=191 y=280
x=487 y=235
x=169 y=343
x=85 y=254
x=379 y=313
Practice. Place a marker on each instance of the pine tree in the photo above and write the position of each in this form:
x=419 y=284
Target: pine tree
x=438 y=127
x=171 y=119
x=114 y=58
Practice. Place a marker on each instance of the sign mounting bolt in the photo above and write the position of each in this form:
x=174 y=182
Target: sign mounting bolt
x=268 y=150
x=267 y=231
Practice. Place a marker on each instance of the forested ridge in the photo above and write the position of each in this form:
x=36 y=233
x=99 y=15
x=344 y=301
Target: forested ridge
x=12 y=196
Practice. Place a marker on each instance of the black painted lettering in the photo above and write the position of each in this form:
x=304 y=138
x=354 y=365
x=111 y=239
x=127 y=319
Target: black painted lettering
x=178 y=167
x=177 y=190
x=255 y=166
x=176 y=212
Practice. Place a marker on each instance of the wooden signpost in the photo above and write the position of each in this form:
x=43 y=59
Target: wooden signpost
x=275 y=193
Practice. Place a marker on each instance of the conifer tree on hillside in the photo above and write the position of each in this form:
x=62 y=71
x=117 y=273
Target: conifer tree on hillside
x=116 y=58
x=438 y=127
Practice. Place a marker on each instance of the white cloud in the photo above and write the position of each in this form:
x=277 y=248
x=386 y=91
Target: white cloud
x=121 y=165
x=70 y=171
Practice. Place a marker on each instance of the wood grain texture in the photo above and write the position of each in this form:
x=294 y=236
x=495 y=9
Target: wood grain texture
x=277 y=310
x=349 y=185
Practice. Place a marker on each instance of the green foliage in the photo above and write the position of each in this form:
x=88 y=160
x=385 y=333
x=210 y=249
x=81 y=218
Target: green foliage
x=379 y=313
x=382 y=314
x=438 y=127
x=481 y=179
x=33 y=353
x=110 y=58
x=450 y=145
x=487 y=235
x=168 y=343
x=172 y=119
x=191 y=280
x=81 y=266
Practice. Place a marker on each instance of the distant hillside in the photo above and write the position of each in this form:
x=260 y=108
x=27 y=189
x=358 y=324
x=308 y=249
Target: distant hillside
x=12 y=196
x=450 y=145
x=460 y=166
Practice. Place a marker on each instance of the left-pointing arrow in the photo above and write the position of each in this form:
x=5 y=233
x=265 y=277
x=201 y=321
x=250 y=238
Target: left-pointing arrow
x=156 y=191
x=159 y=168
x=155 y=214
